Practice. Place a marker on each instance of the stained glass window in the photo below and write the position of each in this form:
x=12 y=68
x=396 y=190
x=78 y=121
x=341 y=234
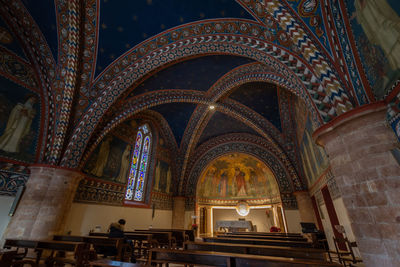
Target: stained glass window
x=139 y=164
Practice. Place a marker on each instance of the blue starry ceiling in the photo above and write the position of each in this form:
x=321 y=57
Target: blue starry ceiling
x=220 y=124
x=195 y=74
x=262 y=98
x=123 y=28
x=44 y=14
x=9 y=40
x=177 y=115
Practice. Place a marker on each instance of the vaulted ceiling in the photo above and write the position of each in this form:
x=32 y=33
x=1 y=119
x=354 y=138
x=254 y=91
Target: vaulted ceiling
x=99 y=63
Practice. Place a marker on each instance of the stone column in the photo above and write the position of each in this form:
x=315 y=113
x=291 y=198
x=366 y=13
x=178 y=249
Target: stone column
x=178 y=213
x=305 y=206
x=45 y=203
x=359 y=145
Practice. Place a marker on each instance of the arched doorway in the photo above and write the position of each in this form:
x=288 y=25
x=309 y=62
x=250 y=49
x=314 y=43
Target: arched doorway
x=235 y=183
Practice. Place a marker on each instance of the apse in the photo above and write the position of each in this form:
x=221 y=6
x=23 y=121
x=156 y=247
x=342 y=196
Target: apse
x=238 y=187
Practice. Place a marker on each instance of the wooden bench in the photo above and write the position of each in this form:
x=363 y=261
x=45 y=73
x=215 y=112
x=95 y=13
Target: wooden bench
x=79 y=249
x=212 y=258
x=265 y=237
x=302 y=253
x=101 y=245
x=110 y=263
x=263 y=242
x=267 y=234
x=165 y=239
x=13 y=258
x=140 y=242
x=181 y=235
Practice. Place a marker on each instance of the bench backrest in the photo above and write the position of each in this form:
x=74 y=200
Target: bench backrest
x=266 y=242
x=304 y=253
x=286 y=238
x=212 y=258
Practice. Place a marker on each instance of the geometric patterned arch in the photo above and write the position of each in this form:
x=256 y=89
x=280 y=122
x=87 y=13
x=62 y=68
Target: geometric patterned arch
x=323 y=69
x=258 y=72
x=281 y=175
x=237 y=111
x=251 y=72
x=151 y=99
x=138 y=64
x=35 y=46
x=287 y=178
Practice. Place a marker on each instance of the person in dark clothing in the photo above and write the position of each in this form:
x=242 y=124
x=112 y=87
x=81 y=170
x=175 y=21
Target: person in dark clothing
x=116 y=230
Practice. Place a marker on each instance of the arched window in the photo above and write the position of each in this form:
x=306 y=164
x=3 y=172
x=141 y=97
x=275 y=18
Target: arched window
x=139 y=165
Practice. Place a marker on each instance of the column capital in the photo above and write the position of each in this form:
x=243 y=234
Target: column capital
x=353 y=116
x=50 y=168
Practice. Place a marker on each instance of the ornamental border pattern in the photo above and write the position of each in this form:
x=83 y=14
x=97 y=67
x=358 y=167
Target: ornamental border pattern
x=286 y=175
x=42 y=61
x=78 y=141
x=337 y=95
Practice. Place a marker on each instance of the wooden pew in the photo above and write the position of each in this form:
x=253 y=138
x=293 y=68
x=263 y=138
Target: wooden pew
x=267 y=234
x=165 y=239
x=100 y=244
x=78 y=248
x=140 y=242
x=263 y=242
x=302 y=253
x=110 y=263
x=180 y=235
x=265 y=237
x=212 y=258
x=11 y=258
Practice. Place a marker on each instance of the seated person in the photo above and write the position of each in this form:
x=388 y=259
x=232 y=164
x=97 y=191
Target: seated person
x=116 y=230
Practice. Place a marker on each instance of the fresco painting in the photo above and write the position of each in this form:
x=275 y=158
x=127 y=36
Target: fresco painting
x=237 y=176
x=376 y=28
x=301 y=114
x=162 y=181
x=314 y=158
x=19 y=121
x=110 y=160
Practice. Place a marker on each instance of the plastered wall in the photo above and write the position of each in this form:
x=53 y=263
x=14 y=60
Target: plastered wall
x=343 y=217
x=84 y=217
x=258 y=217
x=293 y=221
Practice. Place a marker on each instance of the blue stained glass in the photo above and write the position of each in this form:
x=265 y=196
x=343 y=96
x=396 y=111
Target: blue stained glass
x=134 y=164
x=143 y=169
x=139 y=164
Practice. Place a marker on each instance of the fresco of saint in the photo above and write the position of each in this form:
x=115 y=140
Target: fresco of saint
x=18 y=125
x=102 y=157
x=237 y=176
x=125 y=163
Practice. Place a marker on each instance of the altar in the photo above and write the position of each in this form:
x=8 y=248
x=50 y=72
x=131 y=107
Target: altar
x=231 y=226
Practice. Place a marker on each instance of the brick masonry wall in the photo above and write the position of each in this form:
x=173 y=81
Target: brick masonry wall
x=368 y=178
x=44 y=204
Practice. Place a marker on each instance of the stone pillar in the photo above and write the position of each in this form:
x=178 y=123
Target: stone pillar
x=45 y=203
x=358 y=144
x=178 y=213
x=305 y=206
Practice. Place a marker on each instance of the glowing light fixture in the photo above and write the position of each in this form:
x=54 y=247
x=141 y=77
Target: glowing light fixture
x=242 y=208
x=211 y=107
